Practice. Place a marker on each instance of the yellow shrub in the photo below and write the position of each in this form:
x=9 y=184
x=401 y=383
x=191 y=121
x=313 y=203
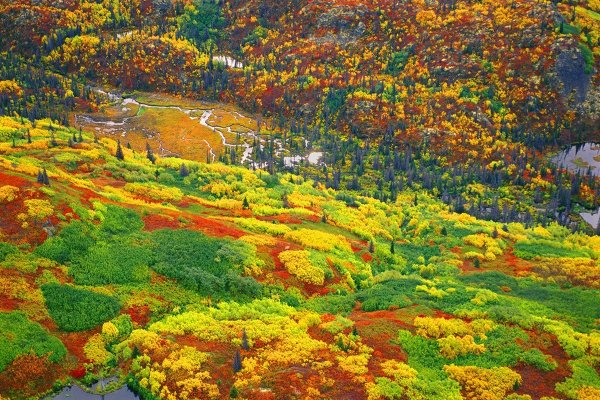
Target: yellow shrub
x=318 y=240
x=481 y=383
x=258 y=226
x=454 y=346
x=39 y=209
x=440 y=327
x=588 y=393
x=399 y=371
x=95 y=350
x=8 y=193
x=297 y=263
x=258 y=240
x=155 y=192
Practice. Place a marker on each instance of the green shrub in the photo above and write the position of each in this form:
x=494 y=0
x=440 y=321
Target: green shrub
x=584 y=374
x=75 y=309
x=120 y=221
x=332 y=304
x=6 y=249
x=545 y=248
x=20 y=336
x=72 y=241
x=202 y=263
x=112 y=263
x=539 y=360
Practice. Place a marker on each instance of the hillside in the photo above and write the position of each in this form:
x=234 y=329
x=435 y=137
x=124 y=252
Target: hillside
x=323 y=294
x=300 y=199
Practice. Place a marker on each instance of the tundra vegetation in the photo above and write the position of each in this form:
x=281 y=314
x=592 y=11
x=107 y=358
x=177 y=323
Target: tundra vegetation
x=435 y=251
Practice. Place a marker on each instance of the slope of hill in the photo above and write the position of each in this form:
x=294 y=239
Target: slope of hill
x=300 y=199
x=205 y=280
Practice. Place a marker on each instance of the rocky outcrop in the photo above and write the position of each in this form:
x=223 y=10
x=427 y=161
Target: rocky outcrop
x=341 y=25
x=570 y=72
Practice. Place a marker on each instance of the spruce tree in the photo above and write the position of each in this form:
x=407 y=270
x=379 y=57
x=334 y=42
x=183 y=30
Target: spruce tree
x=46 y=180
x=245 y=344
x=183 y=171
x=237 y=362
x=150 y=154
x=392 y=247
x=119 y=154
x=371 y=246
x=245 y=204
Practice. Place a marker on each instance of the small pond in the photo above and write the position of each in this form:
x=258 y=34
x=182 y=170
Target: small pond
x=75 y=392
x=582 y=158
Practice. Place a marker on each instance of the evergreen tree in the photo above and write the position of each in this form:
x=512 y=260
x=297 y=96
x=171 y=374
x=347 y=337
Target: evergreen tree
x=45 y=179
x=245 y=344
x=28 y=136
x=245 y=204
x=237 y=362
x=183 y=171
x=150 y=154
x=371 y=246
x=80 y=137
x=392 y=248
x=233 y=393
x=119 y=154
x=284 y=199
x=40 y=177
x=476 y=263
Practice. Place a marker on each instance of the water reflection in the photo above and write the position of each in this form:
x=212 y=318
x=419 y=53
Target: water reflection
x=74 y=392
x=582 y=157
x=585 y=159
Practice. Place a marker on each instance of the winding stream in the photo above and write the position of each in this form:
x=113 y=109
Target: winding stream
x=203 y=115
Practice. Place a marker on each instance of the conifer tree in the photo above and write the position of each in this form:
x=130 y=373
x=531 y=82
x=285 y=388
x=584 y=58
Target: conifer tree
x=119 y=154
x=45 y=179
x=245 y=345
x=183 y=171
x=237 y=362
x=150 y=154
